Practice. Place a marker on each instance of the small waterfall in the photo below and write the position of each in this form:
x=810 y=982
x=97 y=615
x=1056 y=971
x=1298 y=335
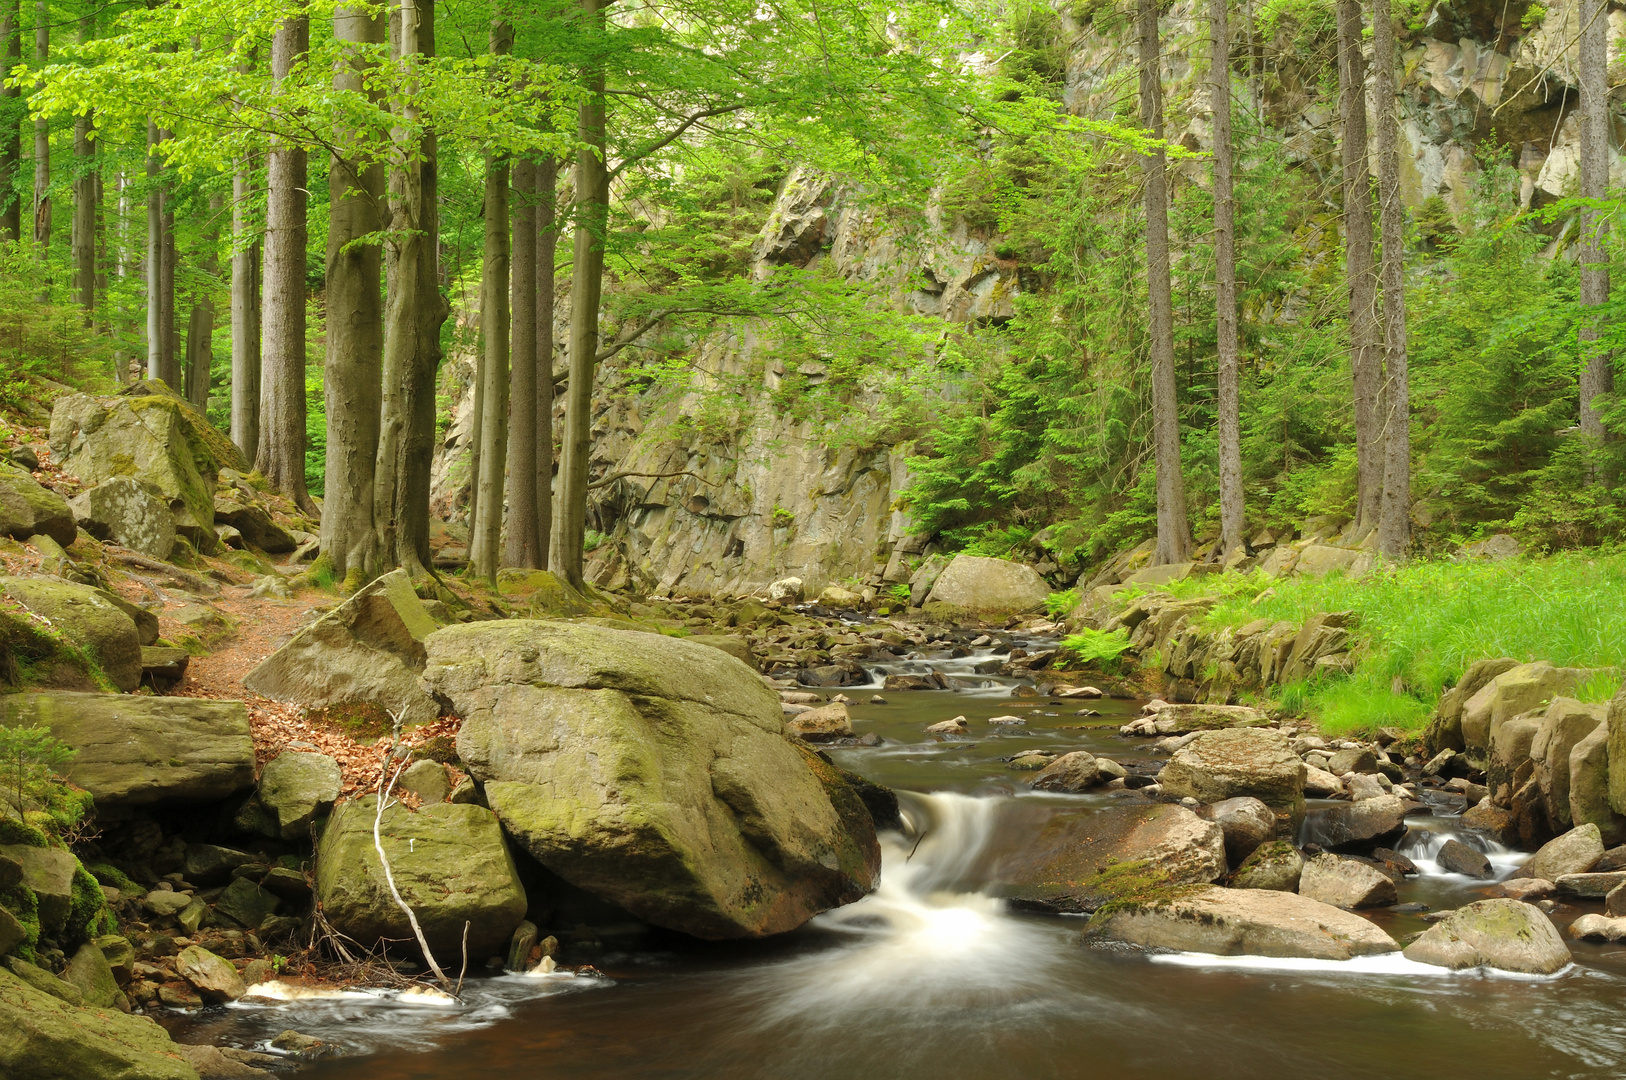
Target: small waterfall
x=1422 y=844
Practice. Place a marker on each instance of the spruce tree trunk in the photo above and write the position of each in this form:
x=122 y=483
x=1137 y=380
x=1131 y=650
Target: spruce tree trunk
x=1394 y=522
x=1173 y=533
x=1597 y=371
x=547 y=242
x=355 y=326
x=42 y=141
x=1230 y=392
x=521 y=549
x=11 y=139
x=245 y=320
x=1366 y=366
x=84 y=206
x=155 y=257
x=282 y=387
x=412 y=317
x=586 y=287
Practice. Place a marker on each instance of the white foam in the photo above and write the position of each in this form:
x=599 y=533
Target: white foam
x=282 y=993
x=1386 y=964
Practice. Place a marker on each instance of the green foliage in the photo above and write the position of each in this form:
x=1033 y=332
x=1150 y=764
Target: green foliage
x=899 y=592
x=30 y=756
x=1059 y=605
x=1100 y=647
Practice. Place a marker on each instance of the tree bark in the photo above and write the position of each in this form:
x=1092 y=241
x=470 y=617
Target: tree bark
x=1394 y=521
x=412 y=316
x=155 y=257
x=200 y=327
x=522 y=442
x=1366 y=365
x=1230 y=393
x=282 y=388
x=1173 y=533
x=586 y=287
x=1597 y=371
x=245 y=319
x=11 y=140
x=84 y=204
x=42 y=141
x=355 y=324
x=169 y=353
x=547 y=242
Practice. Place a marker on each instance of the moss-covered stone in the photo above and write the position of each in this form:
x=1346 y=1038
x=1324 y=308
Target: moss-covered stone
x=87 y=618
x=26 y=508
x=1504 y=934
x=45 y=1038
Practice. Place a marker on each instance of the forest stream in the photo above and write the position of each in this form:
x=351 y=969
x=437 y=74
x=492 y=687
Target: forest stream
x=932 y=977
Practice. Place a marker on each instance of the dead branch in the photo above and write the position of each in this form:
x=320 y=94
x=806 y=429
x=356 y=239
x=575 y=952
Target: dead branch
x=191 y=581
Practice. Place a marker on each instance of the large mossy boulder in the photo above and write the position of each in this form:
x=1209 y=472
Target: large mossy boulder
x=149 y=433
x=651 y=772
x=368 y=649
x=134 y=751
x=983 y=584
x=296 y=787
x=450 y=863
x=1505 y=934
x=87 y=618
x=127 y=512
x=28 y=509
x=1243 y=922
x=1077 y=861
x=1219 y=765
x=45 y=1038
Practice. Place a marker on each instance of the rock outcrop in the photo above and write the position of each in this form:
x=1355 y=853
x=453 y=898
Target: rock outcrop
x=651 y=772
x=137 y=751
x=983 y=584
x=1245 y=922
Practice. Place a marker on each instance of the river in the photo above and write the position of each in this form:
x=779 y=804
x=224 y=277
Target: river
x=929 y=978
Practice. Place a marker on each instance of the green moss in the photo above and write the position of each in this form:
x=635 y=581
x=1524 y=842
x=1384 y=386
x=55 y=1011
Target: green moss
x=359 y=719
x=13 y=831
x=24 y=906
x=441 y=748
x=87 y=914
x=110 y=875
x=1134 y=884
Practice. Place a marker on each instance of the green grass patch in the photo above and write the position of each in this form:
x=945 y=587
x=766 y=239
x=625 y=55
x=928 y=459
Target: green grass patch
x=1424 y=623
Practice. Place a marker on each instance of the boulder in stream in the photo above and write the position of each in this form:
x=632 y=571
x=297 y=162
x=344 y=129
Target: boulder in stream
x=1219 y=765
x=984 y=584
x=653 y=773
x=1182 y=719
x=1359 y=826
x=1244 y=922
x=1246 y=822
x=1573 y=853
x=1503 y=934
x=1346 y=883
x=1275 y=865
x=1077 y=771
x=823 y=724
x=1459 y=858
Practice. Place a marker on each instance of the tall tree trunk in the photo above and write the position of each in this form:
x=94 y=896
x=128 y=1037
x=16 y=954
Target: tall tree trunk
x=1230 y=392
x=1173 y=533
x=169 y=354
x=11 y=139
x=522 y=443
x=1597 y=372
x=282 y=387
x=121 y=251
x=586 y=286
x=155 y=257
x=355 y=324
x=1394 y=522
x=412 y=316
x=1366 y=365
x=200 y=324
x=485 y=527
x=85 y=190
x=547 y=243
x=245 y=319
x=42 y=141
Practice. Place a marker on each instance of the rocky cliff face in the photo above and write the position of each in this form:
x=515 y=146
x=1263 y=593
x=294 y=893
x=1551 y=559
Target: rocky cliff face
x=772 y=499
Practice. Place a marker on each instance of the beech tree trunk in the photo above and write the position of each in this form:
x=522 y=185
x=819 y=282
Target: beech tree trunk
x=155 y=258
x=42 y=141
x=547 y=242
x=485 y=529
x=11 y=140
x=521 y=549
x=169 y=352
x=1230 y=392
x=282 y=388
x=1366 y=365
x=245 y=319
x=355 y=324
x=412 y=316
x=1597 y=371
x=1173 y=533
x=85 y=190
x=1394 y=522
x=200 y=327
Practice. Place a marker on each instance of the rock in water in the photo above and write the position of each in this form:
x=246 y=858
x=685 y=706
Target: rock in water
x=450 y=863
x=89 y=618
x=27 y=509
x=46 y=1037
x=1245 y=922
x=137 y=751
x=651 y=772
x=1459 y=858
x=1359 y=826
x=1275 y=865
x=1246 y=822
x=296 y=787
x=1504 y=934
x=368 y=649
x=1573 y=853
x=823 y=724
x=1346 y=883
x=786 y=591
x=1077 y=861
x=211 y=976
x=126 y=512
x=972 y=581
x=1077 y=771
x=1219 y=765
x=1184 y=719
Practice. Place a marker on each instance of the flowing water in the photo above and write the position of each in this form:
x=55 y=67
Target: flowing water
x=930 y=978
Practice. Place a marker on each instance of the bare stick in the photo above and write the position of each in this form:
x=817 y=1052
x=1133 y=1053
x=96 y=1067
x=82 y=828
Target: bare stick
x=389 y=877
x=465 y=968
